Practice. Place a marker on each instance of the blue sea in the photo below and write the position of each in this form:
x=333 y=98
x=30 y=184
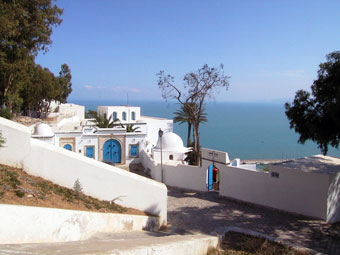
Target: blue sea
x=244 y=130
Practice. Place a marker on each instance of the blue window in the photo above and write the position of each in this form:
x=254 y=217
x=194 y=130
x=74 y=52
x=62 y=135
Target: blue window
x=68 y=147
x=89 y=151
x=114 y=115
x=133 y=116
x=124 y=116
x=133 y=150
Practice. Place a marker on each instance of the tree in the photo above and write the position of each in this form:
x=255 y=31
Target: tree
x=198 y=86
x=183 y=116
x=65 y=84
x=316 y=116
x=130 y=129
x=25 y=29
x=41 y=87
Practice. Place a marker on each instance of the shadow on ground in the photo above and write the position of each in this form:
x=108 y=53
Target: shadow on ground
x=207 y=212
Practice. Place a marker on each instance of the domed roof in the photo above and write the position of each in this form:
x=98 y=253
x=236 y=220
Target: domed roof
x=170 y=142
x=43 y=129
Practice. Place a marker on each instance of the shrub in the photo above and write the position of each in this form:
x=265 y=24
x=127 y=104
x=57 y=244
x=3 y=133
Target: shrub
x=6 y=113
x=19 y=193
x=77 y=187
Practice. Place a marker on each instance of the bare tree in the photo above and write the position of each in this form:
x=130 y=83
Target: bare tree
x=197 y=87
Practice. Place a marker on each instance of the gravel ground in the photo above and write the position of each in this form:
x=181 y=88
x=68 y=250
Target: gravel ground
x=192 y=212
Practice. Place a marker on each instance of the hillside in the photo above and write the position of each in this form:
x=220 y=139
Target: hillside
x=18 y=187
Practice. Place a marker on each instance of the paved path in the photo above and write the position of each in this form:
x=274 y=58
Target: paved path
x=122 y=243
x=192 y=212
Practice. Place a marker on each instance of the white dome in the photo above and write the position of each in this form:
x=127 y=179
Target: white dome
x=170 y=142
x=43 y=129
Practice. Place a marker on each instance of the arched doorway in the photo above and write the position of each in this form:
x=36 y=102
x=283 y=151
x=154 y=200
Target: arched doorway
x=112 y=152
x=213 y=178
x=68 y=147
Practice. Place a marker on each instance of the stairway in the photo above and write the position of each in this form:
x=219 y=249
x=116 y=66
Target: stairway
x=123 y=243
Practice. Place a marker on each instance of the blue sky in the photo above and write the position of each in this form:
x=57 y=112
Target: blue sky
x=269 y=48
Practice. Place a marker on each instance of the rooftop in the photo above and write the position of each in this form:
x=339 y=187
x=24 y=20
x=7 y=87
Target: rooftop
x=314 y=164
x=142 y=117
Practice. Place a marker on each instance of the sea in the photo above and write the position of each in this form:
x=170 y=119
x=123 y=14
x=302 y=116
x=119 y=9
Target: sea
x=247 y=131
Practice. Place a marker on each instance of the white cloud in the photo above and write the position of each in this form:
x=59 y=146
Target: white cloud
x=94 y=87
x=134 y=90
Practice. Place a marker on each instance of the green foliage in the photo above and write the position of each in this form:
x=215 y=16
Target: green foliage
x=47 y=88
x=9 y=178
x=185 y=115
x=25 y=29
x=130 y=128
x=64 y=83
x=198 y=86
x=19 y=193
x=2 y=140
x=6 y=113
x=316 y=116
x=191 y=156
x=102 y=121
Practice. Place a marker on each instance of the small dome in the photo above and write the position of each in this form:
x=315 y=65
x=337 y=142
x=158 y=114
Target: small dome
x=170 y=142
x=43 y=129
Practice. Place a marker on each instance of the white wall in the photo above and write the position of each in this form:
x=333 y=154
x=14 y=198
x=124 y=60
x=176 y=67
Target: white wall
x=177 y=175
x=159 y=155
x=333 y=202
x=311 y=194
x=64 y=167
x=70 y=110
x=108 y=110
x=17 y=145
x=27 y=224
x=153 y=126
x=293 y=191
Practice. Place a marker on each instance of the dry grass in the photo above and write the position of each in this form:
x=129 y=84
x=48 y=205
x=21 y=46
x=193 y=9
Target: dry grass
x=18 y=187
x=236 y=243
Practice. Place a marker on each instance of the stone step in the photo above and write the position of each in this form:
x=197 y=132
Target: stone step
x=124 y=243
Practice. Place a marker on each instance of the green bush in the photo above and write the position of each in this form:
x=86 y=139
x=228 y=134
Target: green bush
x=19 y=193
x=6 y=113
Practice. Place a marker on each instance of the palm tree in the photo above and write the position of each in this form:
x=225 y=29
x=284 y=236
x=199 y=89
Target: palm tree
x=102 y=121
x=185 y=115
x=130 y=128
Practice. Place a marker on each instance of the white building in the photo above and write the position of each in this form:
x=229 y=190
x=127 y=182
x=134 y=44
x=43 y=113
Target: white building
x=169 y=148
x=69 y=129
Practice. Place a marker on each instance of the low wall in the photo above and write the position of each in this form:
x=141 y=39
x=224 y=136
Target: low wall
x=177 y=175
x=333 y=202
x=306 y=193
x=64 y=167
x=292 y=191
x=27 y=224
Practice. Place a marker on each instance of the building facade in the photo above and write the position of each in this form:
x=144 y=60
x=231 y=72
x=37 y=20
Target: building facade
x=118 y=145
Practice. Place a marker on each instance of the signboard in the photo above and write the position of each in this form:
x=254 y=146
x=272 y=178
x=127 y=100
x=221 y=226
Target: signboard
x=215 y=156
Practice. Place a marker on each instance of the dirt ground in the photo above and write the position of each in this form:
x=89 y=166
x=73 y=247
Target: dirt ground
x=18 y=187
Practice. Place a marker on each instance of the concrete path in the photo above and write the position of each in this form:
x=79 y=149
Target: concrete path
x=192 y=212
x=123 y=243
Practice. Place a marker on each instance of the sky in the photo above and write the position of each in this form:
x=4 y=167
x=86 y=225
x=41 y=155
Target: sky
x=270 y=49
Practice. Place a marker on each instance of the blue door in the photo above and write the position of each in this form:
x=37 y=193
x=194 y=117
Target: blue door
x=210 y=177
x=68 y=147
x=90 y=152
x=112 y=152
